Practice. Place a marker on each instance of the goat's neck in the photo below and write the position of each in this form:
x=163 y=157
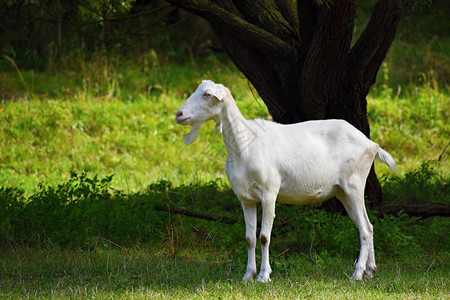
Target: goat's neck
x=235 y=128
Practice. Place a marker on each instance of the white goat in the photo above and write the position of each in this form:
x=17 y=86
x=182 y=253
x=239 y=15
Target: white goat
x=304 y=163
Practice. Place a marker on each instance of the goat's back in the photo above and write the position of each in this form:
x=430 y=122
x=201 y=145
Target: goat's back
x=331 y=135
x=309 y=158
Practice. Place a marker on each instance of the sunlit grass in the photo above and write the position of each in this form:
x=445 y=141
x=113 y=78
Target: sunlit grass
x=132 y=135
x=413 y=129
x=114 y=116
x=144 y=273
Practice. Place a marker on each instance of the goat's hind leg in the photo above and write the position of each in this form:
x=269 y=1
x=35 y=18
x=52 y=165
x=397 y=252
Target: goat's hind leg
x=355 y=207
x=249 y=209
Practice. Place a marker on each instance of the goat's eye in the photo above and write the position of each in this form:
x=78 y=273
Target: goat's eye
x=206 y=95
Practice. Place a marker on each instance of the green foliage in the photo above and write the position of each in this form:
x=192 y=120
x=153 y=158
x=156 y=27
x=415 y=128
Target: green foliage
x=86 y=212
x=11 y=206
x=50 y=31
x=79 y=212
x=109 y=118
x=99 y=10
x=90 y=240
x=395 y=235
x=97 y=112
x=54 y=33
x=413 y=128
x=316 y=232
x=422 y=185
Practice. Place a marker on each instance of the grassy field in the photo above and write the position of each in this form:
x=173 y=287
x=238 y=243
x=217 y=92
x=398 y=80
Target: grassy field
x=70 y=230
x=118 y=118
x=99 y=129
x=147 y=273
x=83 y=239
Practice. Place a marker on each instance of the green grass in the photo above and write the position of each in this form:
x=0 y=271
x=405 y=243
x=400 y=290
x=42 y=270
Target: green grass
x=75 y=236
x=412 y=128
x=144 y=273
x=84 y=240
x=79 y=237
x=117 y=117
x=133 y=136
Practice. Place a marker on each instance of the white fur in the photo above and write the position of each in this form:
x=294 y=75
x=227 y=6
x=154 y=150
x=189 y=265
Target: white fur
x=302 y=164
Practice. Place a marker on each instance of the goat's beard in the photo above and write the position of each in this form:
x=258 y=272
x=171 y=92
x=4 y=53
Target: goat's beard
x=192 y=136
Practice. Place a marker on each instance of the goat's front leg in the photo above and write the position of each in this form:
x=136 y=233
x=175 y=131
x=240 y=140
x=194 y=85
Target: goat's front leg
x=268 y=215
x=249 y=209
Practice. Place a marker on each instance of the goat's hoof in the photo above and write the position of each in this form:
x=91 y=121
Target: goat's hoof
x=248 y=277
x=357 y=275
x=358 y=278
x=370 y=272
x=263 y=278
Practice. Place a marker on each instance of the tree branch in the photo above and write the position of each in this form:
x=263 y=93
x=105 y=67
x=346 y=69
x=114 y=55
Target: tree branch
x=263 y=14
x=198 y=215
x=142 y=13
x=372 y=46
x=289 y=13
x=425 y=210
x=245 y=31
x=255 y=66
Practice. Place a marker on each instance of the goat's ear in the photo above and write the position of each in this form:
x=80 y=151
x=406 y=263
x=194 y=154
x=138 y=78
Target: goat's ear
x=219 y=92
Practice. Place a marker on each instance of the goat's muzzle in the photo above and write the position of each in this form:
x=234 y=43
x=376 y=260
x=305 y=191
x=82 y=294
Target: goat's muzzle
x=181 y=119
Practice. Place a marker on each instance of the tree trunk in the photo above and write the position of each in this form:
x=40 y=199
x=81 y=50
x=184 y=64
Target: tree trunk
x=300 y=59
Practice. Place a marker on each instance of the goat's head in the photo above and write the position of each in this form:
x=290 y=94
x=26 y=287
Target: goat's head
x=203 y=105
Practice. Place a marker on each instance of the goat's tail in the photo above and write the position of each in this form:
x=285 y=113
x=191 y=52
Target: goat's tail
x=387 y=159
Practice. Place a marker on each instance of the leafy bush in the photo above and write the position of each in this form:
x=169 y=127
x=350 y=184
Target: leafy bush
x=422 y=185
x=313 y=231
x=86 y=212
x=78 y=213
x=11 y=206
x=394 y=235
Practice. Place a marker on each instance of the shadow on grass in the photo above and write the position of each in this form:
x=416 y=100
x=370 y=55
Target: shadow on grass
x=143 y=273
x=48 y=272
x=81 y=239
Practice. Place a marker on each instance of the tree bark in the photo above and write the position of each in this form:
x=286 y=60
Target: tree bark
x=300 y=59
